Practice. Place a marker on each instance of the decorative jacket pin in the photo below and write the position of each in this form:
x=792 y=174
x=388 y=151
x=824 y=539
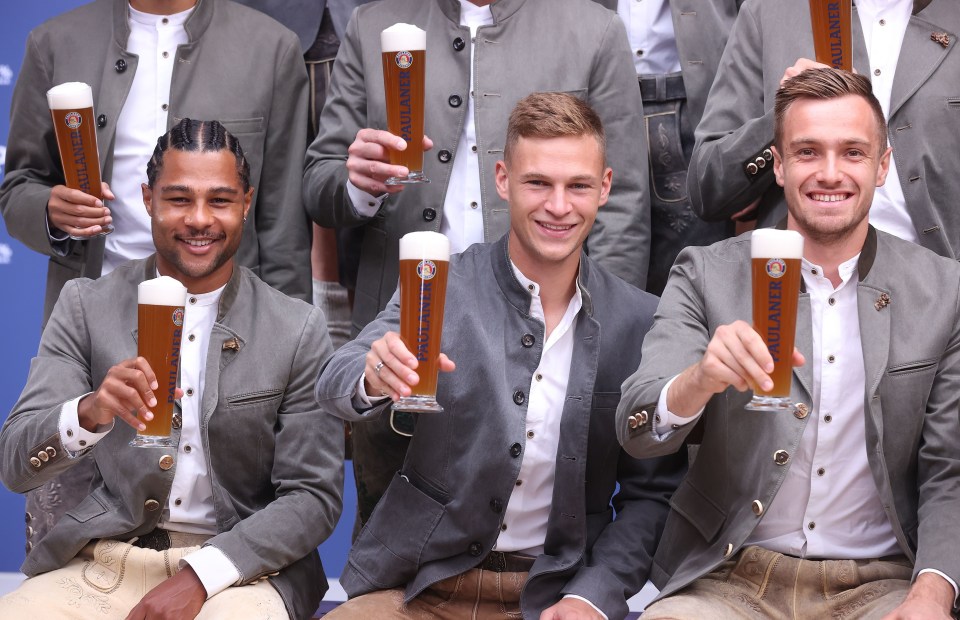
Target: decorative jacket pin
x=233 y=345
x=882 y=302
x=940 y=37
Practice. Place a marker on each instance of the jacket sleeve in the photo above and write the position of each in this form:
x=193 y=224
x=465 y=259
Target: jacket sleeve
x=338 y=379
x=734 y=129
x=307 y=473
x=283 y=230
x=618 y=563
x=59 y=372
x=33 y=159
x=620 y=239
x=344 y=114
x=678 y=339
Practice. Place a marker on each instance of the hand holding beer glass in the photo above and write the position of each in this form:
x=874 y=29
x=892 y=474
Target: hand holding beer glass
x=160 y=311
x=775 y=268
x=403 y=50
x=74 y=124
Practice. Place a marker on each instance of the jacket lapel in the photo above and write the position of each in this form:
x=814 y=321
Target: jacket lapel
x=224 y=347
x=919 y=58
x=804 y=342
x=874 y=335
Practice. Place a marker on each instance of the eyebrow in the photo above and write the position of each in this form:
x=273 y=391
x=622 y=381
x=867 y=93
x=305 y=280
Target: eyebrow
x=844 y=141
x=220 y=189
x=580 y=178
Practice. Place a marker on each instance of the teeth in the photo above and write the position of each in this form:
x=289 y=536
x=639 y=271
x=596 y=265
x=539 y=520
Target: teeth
x=555 y=226
x=199 y=242
x=829 y=197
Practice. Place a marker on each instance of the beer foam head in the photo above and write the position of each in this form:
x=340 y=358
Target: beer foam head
x=424 y=244
x=772 y=243
x=403 y=37
x=70 y=95
x=162 y=291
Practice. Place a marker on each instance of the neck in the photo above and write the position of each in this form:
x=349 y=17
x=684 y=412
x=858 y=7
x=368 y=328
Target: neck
x=197 y=285
x=557 y=281
x=829 y=255
x=481 y=2
x=163 y=7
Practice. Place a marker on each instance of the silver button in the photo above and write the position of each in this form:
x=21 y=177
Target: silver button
x=752 y=168
x=757 y=507
x=876 y=71
x=728 y=550
x=831 y=358
x=828 y=418
x=151 y=505
x=43 y=456
x=193 y=300
x=530 y=435
x=51 y=451
x=165 y=54
x=781 y=457
x=821 y=471
x=35 y=462
x=801 y=411
x=811 y=525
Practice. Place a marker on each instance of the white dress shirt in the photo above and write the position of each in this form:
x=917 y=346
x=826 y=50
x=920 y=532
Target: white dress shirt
x=143 y=119
x=650 y=32
x=190 y=506
x=525 y=520
x=884 y=23
x=462 y=219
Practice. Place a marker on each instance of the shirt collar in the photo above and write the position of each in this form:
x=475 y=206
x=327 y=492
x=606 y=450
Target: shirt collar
x=534 y=289
x=174 y=20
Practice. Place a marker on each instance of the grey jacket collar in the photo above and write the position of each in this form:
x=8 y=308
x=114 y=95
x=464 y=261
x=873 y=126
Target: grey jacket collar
x=516 y=295
x=195 y=25
x=226 y=299
x=501 y=9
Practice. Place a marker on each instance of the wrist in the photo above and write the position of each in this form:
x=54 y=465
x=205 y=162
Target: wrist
x=935 y=589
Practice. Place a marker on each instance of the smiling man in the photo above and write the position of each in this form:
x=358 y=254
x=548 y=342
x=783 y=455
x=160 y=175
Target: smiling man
x=846 y=507
x=214 y=527
x=509 y=491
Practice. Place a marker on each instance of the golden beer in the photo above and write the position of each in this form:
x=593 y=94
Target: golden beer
x=831 y=33
x=160 y=314
x=775 y=270
x=403 y=52
x=424 y=262
x=74 y=124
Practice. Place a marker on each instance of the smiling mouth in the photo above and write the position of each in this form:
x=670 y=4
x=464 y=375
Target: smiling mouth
x=555 y=227
x=199 y=243
x=829 y=197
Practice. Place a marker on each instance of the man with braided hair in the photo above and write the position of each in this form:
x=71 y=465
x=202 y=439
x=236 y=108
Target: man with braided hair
x=214 y=527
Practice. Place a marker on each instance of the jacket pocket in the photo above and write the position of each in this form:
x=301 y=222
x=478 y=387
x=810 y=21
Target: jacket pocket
x=91 y=506
x=252 y=398
x=699 y=510
x=243 y=125
x=388 y=550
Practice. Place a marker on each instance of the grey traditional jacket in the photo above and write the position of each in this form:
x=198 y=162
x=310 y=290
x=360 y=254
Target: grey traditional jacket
x=239 y=67
x=534 y=45
x=276 y=463
x=442 y=513
x=924 y=125
x=909 y=315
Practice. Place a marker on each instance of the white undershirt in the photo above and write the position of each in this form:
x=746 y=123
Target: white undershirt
x=141 y=121
x=884 y=23
x=191 y=480
x=462 y=219
x=650 y=32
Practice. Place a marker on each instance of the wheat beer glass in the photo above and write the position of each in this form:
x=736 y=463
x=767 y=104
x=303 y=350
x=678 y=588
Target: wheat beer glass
x=775 y=267
x=831 y=32
x=403 y=50
x=424 y=261
x=71 y=106
x=159 y=331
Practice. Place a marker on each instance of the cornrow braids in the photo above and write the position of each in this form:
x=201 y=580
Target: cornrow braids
x=198 y=136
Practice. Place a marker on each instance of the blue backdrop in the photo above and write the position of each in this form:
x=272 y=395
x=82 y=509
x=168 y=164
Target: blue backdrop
x=22 y=280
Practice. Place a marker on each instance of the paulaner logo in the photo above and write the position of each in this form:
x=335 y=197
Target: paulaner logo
x=423 y=322
x=73 y=121
x=836 y=36
x=178 y=317
x=404 y=61
x=173 y=364
x=427 y=269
